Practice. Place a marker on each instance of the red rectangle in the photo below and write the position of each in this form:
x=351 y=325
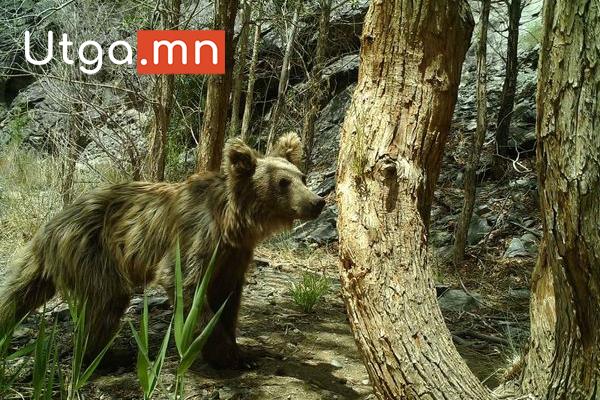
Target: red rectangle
x=181 y=52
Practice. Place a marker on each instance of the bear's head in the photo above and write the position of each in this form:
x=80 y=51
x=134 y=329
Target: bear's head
x=270 y=188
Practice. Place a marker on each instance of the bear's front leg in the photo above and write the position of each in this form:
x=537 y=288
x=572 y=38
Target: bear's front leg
x=221 y=350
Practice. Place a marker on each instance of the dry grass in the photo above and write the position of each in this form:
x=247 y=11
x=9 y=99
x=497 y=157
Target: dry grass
x=28 y=196
x=30 y=193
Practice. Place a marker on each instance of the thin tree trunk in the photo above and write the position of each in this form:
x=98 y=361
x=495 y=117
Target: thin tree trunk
x=284 y=77
x=212 y=136
x=163 y=93
x=76 y=142
x=391 y=148
x=315 y=85
x=239 y=68
x=564 y=361
x=462 y=229
x=509 y=88
x=251 y=79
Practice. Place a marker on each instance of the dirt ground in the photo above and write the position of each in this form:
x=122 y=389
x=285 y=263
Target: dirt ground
x=295 y=355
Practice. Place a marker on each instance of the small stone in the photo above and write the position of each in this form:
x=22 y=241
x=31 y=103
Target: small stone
x=336 y=363
x=457 y=300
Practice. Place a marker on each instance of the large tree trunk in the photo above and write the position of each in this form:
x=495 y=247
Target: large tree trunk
x=509 y=88
x=284 y=77
x=390 y=153
x=163 y=92
x=212 y=136
x=462 y=228
x=565 y=343
x=251 y=79
x=315 y=85
x=238 y=73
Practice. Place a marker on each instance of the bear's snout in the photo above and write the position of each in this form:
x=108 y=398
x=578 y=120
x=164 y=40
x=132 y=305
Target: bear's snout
x=317 y=207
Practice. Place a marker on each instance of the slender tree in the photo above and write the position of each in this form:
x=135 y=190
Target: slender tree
x=251 y=79
x=315 y=84
x=284 y=76
x=216 y=110
x=239 y=68
x=509 y=88
x=163 y=97
x=390 y=153
x=462 y=228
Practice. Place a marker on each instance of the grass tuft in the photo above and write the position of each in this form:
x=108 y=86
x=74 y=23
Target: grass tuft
x=309 y=290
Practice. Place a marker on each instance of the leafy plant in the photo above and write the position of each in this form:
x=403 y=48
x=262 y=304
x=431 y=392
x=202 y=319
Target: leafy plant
x=46 y=363
x=7 y=376
x=79 y=376
x=148 y=372
x=309 y=290
x=184 y=327
x=188 y=347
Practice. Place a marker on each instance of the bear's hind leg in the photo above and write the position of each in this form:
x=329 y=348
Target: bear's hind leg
x=25 y=289
x=104 y=317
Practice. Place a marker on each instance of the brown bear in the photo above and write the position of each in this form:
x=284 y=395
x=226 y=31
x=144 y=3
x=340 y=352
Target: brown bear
x=112 y=241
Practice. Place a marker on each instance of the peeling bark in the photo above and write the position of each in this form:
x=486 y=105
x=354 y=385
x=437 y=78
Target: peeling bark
x=391 y=147
x=564 y=359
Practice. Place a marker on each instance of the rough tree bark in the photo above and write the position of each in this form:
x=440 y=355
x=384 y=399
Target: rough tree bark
x=509 y=88
x=564 y=360
x=315 y=85
x=284 y=76
x=238 y=71
x=251 y=79
x=390 y=153
x=462 y=228
x=163 y=92
x=75 y=142
x=212 y=136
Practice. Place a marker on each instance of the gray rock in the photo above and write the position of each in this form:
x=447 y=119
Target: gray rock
x=516 y=248
x=522 y=138
x=440 y=238
x=478 y=229
x=327 y=185
x=327 y=130
x=321 y=230
x=519 y=294
x=347 y=64
x=457 y=300
x=524 y=246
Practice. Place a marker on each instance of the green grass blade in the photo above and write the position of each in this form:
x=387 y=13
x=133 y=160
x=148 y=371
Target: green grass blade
x=193 y=351
x=143 y=363
x=160 y=359
x=191 y=321
x=80 y=343
x=23 y=351
x=48 y=391
x=94 y=364
x=178 y=322
x=40 y=364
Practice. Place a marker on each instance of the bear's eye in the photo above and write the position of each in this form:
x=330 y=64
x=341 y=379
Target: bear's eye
x=284 y=183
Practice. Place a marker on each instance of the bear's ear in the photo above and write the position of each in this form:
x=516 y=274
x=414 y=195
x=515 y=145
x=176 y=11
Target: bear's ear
x=289 y=147
x=240 y=160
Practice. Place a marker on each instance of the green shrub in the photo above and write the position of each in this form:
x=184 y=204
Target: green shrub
x=309 y=290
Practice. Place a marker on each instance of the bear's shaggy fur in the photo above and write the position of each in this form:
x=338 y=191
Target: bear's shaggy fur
x=115 y=240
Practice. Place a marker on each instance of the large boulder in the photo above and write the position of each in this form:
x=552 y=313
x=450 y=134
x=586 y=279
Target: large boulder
x=327 y=130
x=322 y=230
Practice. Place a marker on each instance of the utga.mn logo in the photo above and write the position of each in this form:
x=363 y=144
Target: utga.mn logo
x=158 y=52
